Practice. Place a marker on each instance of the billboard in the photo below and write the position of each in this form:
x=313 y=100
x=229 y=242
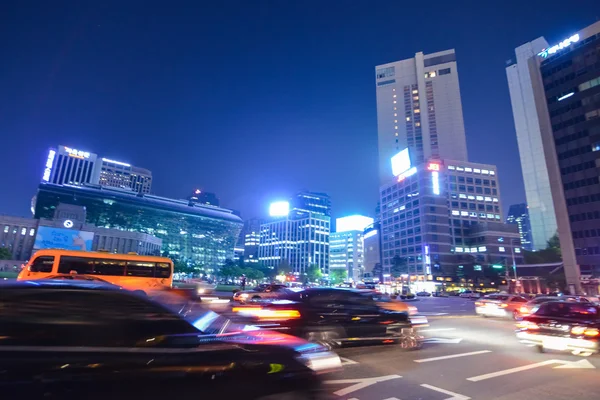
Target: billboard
x=279 y=209
x=352 y=223
x=401 y=162
x=48 y=237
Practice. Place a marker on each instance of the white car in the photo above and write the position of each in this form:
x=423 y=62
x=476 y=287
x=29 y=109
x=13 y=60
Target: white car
x=262 y=292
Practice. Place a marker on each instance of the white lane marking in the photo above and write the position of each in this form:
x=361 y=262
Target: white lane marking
x=472 y=353
x=360 y=383
x=455 y=396
x=442 y=340
x=437 y=330
x=433 y=313
x=582 y=364
x=347 y=361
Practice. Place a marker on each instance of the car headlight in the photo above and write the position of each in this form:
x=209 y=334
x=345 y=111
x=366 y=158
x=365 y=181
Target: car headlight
x=244 y=295
x=201 y=291
x=321 y=362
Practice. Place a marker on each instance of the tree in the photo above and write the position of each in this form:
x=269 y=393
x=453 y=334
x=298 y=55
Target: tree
x=314 y=273
x=399 y=266
x=377 y=272
x=5 y=254
x=338 y=275
x=230 y=270
x=284 y=268
x=253 y=274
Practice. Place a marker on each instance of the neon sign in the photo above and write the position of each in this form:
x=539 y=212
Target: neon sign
x=433 y=167
x=48 y=169
x=77 y=153
x=565 y=43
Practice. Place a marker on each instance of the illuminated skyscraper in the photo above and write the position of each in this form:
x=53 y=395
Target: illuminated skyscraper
x=346 y=245
x=419 y=107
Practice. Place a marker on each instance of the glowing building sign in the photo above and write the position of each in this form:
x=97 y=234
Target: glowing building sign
x=49 y=163
x=435 y=182
x=433 y=167
x=352 y=223
x=106 y=160
x=279 y=209
x=401 y=162
x=565 y=43
x=76 y=153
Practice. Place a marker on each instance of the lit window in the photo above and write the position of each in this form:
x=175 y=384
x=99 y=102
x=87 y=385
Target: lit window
x=468 y=169
x=460 y=169
x=394 y=96
x=395 y=101
x=395 y=121
x=501 y=249
x=459 y=249
x=477 y=170
x=596 y=146
x=31 y=232
x=471 y=197
x=450 y=166
x=395 y=114
x=497 y=216
x=417 y=124
x=492 y=173
x=415 y=97
x=395 y=108
x=488 y=199
x=415 y=91
x=6 y=229
x=495 y=200
x=480 y=198
x=455 y=212
x=464 y=213
x=490 y=216
x=417 y=111
x=485 y=171
x=462 y=196
x=396 y=134
x=23 y=231
x=517 y=250
x=408 y=118
x=393 y=90
x=482 y=248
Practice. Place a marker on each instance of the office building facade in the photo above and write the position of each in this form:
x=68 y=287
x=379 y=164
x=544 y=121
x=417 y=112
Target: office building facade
x=316 y=203
x=419 y=107
x=563 y=81
x=251 y=240
x=68 y=166
x=428 y=215
x=346 y=249
x=67 y=229
x=519 y=214
x=121 y=175
x=300 y=239
x=371 y=249
x=196 y=234
x=520 y=73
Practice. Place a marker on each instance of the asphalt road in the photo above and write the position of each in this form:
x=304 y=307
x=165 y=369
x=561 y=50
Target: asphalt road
x=464 y=358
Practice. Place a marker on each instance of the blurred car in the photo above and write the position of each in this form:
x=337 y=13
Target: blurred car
x=423 y=294
x=67 y=340
x=563 y=326
x=439 y=294
x=528 y=307
x=334 y=317
x=205 y=288
x=470 y=294
x=262 y=292
x=500 y=305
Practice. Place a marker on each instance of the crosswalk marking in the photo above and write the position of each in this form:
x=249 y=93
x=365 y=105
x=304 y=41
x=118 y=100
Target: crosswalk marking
x=472 y=353
x=455 y=396
x=347 y=361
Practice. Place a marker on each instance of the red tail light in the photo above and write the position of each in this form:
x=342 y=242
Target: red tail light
x=527 y=325
x=503 y=305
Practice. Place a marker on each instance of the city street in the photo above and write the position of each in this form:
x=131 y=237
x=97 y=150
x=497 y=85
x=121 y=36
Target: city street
x=464 y=357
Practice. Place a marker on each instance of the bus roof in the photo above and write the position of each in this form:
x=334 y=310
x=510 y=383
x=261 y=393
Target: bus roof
x=98 y=254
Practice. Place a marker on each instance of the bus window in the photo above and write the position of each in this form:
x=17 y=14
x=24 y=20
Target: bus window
x=80 y=265
x=42 y=264
x=140 y=268
x=163 y=270
x=109 y=267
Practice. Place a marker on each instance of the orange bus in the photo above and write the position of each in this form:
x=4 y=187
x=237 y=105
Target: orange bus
x=129 y=271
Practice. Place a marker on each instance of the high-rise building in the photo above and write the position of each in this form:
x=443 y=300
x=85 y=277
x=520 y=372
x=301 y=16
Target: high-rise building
x=121 y=175
x=419 y=107
x=431 y=223
x=564 y=85
x=346 y=245
x=298 y=238
x=313 y=202
x=251 y=239
x=542 y=217
x=371 y=249
x=68 y=166
x=519 y=215
x=206 y=198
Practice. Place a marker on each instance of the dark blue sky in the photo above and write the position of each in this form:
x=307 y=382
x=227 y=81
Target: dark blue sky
x=253 y=100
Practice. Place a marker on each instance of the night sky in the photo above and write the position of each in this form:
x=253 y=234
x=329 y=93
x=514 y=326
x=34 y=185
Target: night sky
x=253 y=100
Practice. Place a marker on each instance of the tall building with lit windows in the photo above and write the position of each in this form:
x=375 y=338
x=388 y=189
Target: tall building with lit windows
x=441 y=222
x=419 y=107
x=555 y=93
x=69 y=166
x=346 y=245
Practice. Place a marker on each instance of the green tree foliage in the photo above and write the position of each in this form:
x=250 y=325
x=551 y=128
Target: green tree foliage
x=230 y=270
x=377 y=272
x=5 y=254
x=551 y=254
x=314 y=273
x=253 y=274
x=338 y=275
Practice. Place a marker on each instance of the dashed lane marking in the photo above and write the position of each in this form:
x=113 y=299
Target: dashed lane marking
x=472 y=353
x=455 y=396
x=347 y=361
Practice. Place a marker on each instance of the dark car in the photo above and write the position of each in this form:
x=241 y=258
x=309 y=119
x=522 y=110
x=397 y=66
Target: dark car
x=562 y=325
x=87 y=340
x=334 y=317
